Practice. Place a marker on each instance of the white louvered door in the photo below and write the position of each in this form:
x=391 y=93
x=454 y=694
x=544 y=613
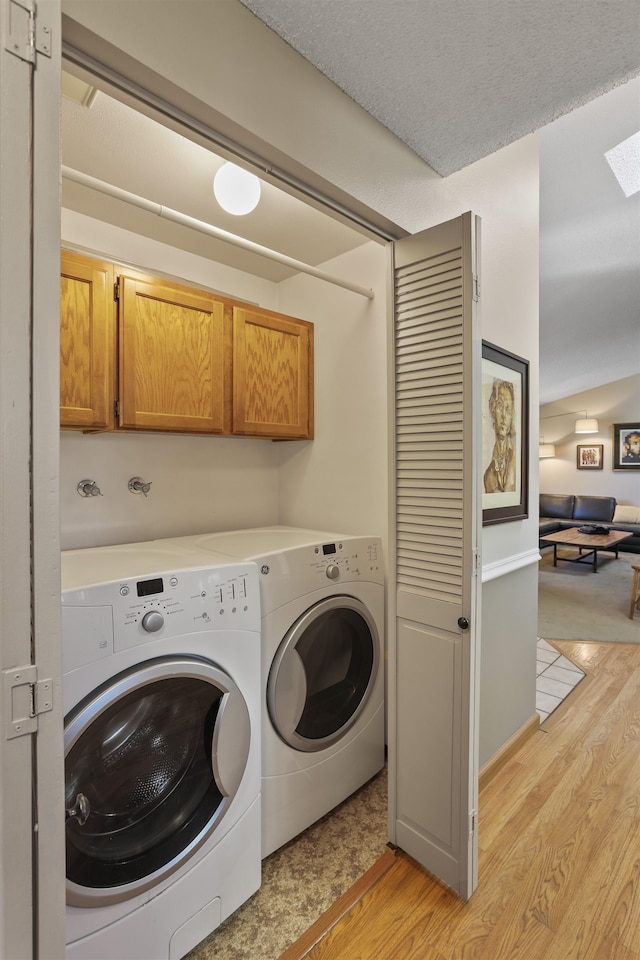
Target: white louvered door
x=433 y=672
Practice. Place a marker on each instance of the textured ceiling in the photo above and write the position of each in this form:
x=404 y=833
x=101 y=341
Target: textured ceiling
x=457 y=79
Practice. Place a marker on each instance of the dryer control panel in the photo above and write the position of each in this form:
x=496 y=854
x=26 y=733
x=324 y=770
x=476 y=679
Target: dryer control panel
x=102 y=619
x=354 y=558
x=333 y=564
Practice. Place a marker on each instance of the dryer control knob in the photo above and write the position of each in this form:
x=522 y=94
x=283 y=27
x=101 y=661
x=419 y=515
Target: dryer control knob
x=333 y=571
x=152 y=621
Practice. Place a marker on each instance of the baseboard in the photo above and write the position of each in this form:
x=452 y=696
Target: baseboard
x=507 y=750
x=328 y=920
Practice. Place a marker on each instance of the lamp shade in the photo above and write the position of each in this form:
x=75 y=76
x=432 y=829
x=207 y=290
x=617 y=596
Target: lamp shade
x=546 y=450
x=588 y=425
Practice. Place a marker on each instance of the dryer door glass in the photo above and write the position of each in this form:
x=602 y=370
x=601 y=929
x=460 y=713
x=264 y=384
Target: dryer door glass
x=147 y=775
x=323 y=673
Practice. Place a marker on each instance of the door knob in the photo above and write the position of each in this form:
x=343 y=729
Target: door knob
x=464 y=623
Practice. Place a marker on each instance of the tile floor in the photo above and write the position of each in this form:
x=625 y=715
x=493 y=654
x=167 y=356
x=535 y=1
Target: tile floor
x=555 y=678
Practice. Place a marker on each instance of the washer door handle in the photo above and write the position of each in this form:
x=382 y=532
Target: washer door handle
x=231 y=743
x=80 y=811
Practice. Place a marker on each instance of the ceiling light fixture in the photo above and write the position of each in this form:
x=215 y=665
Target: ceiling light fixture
x=624 y=161
x=584 y=423
x=236 y=190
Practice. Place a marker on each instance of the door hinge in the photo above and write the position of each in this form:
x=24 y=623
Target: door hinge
x=25 y=697
x=116 y=291
x=26 y=36
x=473 y=822
x=476 y=287
x=116 y=408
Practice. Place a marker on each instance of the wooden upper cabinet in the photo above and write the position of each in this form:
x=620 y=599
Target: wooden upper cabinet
x=272 y=374
x=178 y=359
x=172 y=357
x=87 y=344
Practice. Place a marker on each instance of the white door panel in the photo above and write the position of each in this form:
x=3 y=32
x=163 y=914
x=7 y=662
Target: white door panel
x=434 y=663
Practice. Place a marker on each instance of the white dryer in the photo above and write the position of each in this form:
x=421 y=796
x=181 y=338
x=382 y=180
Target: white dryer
x=161 y=686
x=322 y=597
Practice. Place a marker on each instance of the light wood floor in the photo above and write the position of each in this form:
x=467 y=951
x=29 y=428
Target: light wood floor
x=559 y=835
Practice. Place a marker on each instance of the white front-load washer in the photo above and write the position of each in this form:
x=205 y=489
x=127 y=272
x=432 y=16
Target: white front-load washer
x=322 y=597
x=161 y=686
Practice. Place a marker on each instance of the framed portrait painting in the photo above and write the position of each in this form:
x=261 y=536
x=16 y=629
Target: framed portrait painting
x=590 y=456
x=505 y=436
x=626 y=446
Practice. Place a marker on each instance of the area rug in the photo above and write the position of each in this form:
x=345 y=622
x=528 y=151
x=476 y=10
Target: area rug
x=304 y=878
x=576 y=604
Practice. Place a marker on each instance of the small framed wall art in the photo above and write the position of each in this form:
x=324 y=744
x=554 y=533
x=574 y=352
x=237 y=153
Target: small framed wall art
x=505 y=436
x=626 y=446
x=590 y=456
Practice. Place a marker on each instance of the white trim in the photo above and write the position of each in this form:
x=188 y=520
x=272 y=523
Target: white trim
x=500 y=568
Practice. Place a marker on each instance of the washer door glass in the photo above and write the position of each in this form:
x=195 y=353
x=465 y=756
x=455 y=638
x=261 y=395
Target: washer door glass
x=323 y=673
x=152 y=762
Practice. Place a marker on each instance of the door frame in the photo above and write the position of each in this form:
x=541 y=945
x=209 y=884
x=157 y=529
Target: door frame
x=31 y=770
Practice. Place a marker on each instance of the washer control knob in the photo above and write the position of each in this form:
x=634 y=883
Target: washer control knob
x=152 y=621
x=333 y=571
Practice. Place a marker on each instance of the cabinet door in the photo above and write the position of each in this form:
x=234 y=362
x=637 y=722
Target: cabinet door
x=272 y=375
x=171 y=357
x=87 y=344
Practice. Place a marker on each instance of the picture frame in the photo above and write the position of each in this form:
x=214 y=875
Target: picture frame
x=590 y=456
x=505 y=436
x=626 y=446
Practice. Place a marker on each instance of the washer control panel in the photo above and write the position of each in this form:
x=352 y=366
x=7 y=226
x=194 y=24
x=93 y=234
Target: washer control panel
x=105 y=618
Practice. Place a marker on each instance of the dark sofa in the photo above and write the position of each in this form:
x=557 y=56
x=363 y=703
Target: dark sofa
x=559 y=511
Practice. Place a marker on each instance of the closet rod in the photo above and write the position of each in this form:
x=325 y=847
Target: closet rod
x=168 y=214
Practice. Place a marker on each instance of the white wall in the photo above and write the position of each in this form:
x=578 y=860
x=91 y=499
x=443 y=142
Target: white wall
x=198 y=483
x=503 y=190
x=339 y=481
x=617 y=402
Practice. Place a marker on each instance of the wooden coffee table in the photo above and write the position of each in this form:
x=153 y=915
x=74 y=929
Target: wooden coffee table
x=589 y=542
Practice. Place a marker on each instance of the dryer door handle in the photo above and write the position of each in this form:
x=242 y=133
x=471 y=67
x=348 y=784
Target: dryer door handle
x=287 y=692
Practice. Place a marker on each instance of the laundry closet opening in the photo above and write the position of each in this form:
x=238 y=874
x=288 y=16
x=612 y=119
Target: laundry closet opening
x=208 y=484
x=124 y=136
